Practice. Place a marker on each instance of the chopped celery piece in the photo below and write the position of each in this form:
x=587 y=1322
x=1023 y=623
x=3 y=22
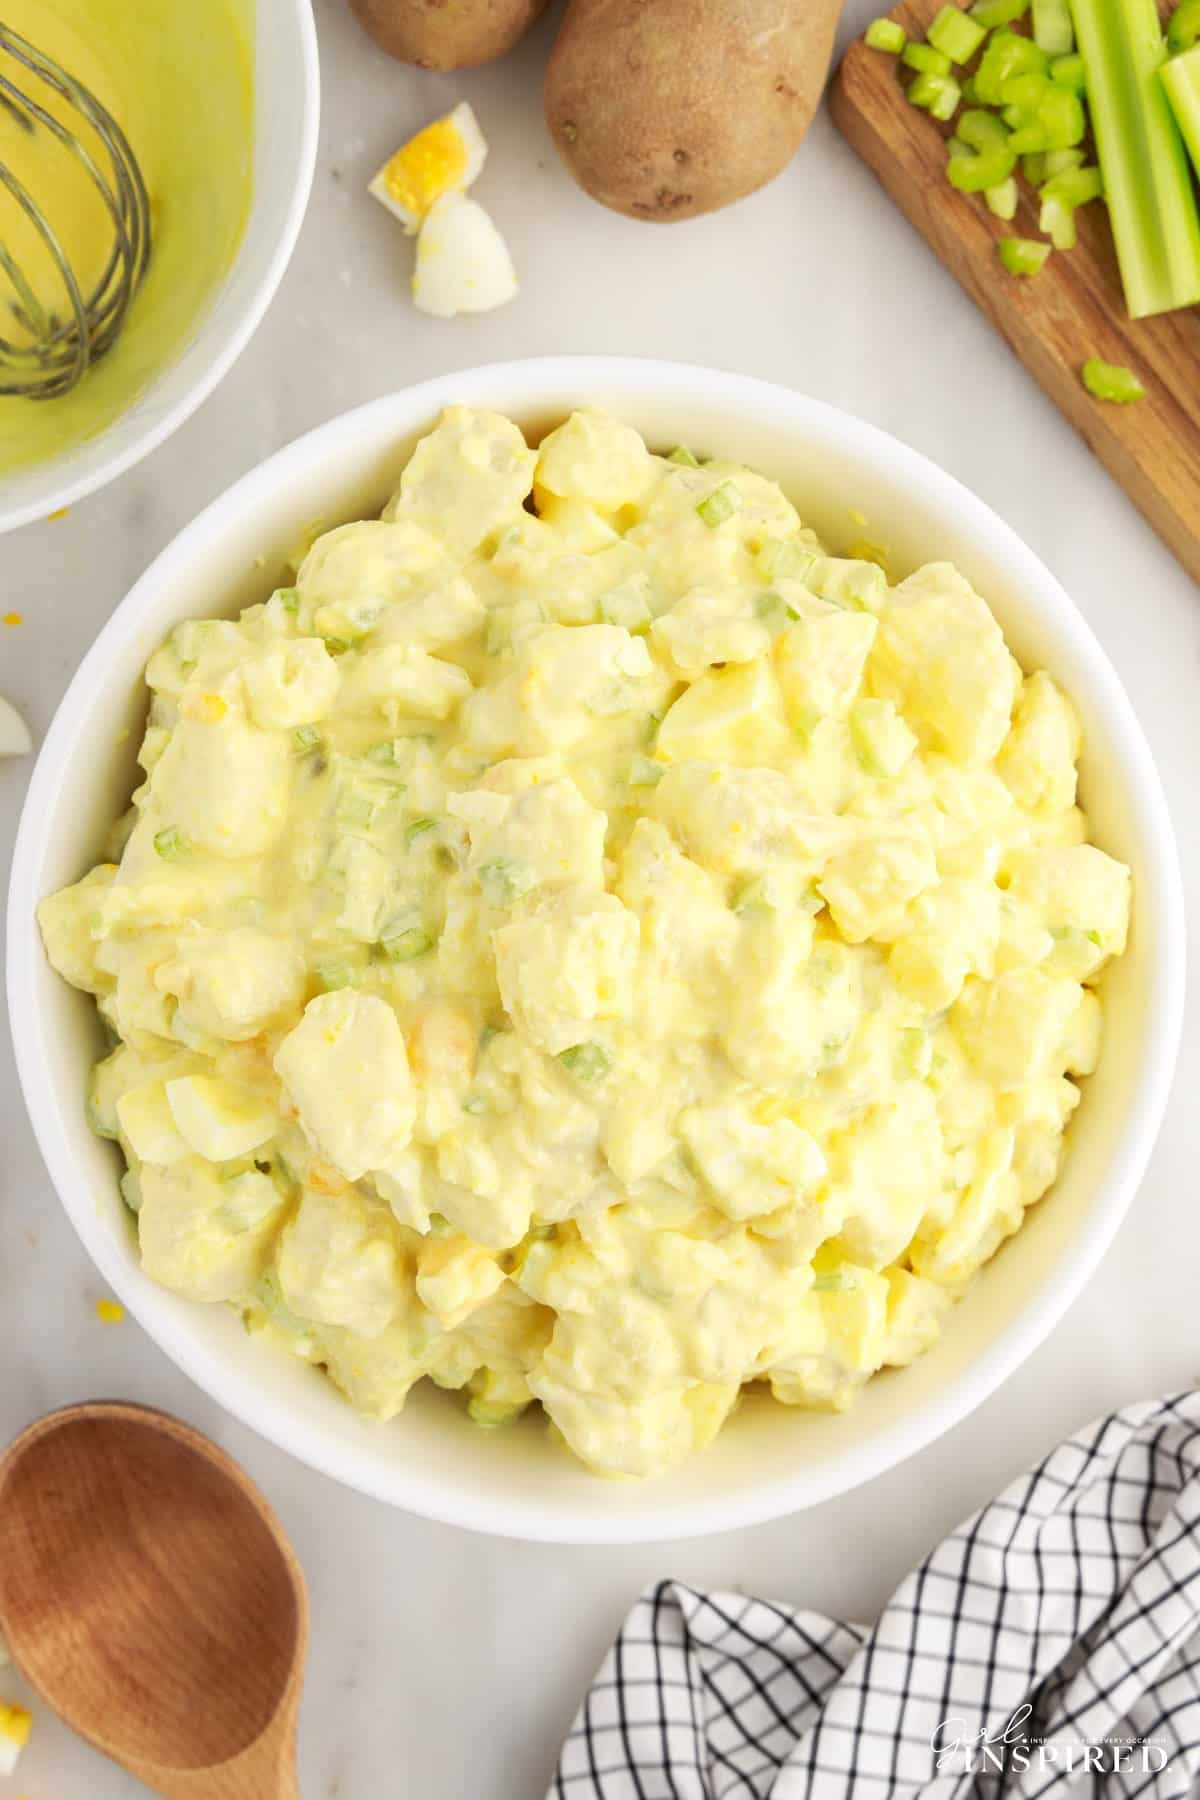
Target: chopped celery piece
x=406 y=942
x=1024 y=93
x=1184 y=27
x=781 y=559
x=955 y=146
x=306 y=738
x=1111 y=381
x=1023 y=256
x=1002 y=200
x=968 y=90
x=1057 y=220
x=288 y=598
x=773 y=609
x=982 y=130
x=622 y=607
x=914 y=1053
x=992 y=167
x=956 y=34
x=587 y=1062
x=1068 y=72
x=1052 y=27
x=937 y=95
x=1007 y=54
x=720 y=505
x=993 y=14
x=886 y=34
x=645 y=772
x=1061 y=115
x=1146 y=177
x=1074 y=187
x=419 y=828
x=333 y=975
x=681 y=454
x=975 y=174
x=1033 y=168
x=171 y=844
x=1034 y=106
x=925 y=59
x=503 y=881
x=1057 y=162
x=1181 y=78
x=754 y=895
x=835 y=1281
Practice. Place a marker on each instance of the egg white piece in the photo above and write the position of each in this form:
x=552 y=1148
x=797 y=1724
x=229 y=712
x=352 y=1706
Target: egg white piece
x=463 y=263
x=14 y=733
x=444 y=158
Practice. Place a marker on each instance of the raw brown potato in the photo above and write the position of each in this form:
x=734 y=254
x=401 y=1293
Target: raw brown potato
x=663 y=109
x=447 y=34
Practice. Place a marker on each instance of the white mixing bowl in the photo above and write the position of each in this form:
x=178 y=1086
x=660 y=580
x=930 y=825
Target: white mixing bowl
x=769 y=1459
x=287 y=107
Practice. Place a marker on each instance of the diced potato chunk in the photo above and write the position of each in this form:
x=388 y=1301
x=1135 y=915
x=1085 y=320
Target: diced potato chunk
x=346 y=1068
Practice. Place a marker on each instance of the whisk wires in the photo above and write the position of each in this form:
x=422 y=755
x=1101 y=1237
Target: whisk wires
x=57 y=344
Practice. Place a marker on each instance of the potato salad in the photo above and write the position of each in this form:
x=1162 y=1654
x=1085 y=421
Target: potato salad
x=587 y=945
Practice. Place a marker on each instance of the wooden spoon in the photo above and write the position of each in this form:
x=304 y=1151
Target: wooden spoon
x=148 y=1593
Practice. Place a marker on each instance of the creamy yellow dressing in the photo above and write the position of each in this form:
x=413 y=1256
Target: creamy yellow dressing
x=601 y=955
x=180 y=84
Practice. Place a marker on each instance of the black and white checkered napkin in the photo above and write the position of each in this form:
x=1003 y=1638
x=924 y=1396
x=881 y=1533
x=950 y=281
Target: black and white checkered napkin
x=1050 y=1645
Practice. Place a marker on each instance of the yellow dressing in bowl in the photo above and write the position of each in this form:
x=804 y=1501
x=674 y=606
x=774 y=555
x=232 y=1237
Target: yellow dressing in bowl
x=185 y=99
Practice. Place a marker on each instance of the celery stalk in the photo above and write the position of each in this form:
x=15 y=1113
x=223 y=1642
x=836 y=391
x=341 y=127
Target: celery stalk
x=1146 y=176
x=1181 y=78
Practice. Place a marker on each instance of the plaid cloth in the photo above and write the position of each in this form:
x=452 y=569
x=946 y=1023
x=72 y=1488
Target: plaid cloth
x=1051 y=1644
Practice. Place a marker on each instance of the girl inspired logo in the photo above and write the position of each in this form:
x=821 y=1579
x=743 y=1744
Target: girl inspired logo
x=956 y=1747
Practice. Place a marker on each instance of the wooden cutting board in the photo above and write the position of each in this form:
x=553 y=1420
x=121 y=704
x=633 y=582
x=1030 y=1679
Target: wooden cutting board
x=1055 y=320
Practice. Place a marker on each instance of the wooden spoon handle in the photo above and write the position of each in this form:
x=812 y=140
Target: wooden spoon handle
x=267 y=1771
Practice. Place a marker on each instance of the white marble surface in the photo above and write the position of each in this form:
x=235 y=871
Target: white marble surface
x=446 y=1666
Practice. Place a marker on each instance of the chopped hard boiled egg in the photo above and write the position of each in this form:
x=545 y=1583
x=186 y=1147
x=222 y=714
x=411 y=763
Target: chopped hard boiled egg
x=463 y=264
x=444 y=158
x=14 y=733
x=15 y=1726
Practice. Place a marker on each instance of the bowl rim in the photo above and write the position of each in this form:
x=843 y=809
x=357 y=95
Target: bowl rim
x=234 y=335
x=410 y=1486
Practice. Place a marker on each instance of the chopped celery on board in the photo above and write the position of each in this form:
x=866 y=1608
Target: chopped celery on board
x=1023 y=256
x=1146 y=177
x=938 y=95
x=886 y=34
x=925 y=59
x=1111 y=381
x=992 y=14
x=957 y=35
x=1002 y=200
x=1068 y=72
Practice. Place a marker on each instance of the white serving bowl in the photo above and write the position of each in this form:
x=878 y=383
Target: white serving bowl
x=287 y=108
x=769 y=1459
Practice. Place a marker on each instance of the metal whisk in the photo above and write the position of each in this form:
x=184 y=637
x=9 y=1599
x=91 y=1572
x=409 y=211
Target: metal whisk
x=58 y=343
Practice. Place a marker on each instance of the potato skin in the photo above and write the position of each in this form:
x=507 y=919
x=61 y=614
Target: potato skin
x=664 y=109
x=447 y=34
